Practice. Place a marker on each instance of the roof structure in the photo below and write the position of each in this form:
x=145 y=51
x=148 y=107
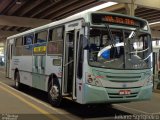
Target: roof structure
x=21 y=15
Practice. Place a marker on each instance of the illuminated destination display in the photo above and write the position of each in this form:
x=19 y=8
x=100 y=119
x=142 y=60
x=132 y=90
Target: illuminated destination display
x=120 y=20
x=114 y=19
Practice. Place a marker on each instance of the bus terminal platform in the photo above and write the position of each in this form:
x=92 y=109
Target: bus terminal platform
x=24 y=105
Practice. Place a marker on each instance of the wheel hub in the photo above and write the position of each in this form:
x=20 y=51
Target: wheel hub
x=54 y=92
x=16 y=82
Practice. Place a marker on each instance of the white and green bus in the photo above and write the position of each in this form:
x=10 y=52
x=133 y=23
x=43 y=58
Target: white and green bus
x=88 y=58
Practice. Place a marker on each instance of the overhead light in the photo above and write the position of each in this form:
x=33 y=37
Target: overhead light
x=99 y=7
x=18 y=2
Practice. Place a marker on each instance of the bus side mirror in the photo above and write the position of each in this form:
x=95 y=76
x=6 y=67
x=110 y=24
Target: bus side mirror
x=84 y=41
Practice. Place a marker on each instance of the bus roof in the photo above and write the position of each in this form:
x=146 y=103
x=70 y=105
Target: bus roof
x=68 y=19
x=65 y=20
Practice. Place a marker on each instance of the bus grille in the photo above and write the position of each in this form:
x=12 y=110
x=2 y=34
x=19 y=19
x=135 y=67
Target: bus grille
x=124 y=78
x=116 y=95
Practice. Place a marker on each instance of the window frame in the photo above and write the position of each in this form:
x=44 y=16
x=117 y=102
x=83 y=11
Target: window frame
x=28 y=45
x=17 y=39
x=53 y=40
x=16 y=46
x=24 y=38
x=36 y=36
x=36 y=43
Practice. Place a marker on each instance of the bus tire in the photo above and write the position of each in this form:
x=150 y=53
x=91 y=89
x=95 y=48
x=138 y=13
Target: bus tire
x=17 y=80
x=54 y=94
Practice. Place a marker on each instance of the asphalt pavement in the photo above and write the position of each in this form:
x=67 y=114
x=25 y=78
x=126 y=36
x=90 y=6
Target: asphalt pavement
x=29 y=103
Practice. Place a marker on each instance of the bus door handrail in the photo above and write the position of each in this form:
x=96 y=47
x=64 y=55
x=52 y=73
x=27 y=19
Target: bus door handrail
x=68 y=63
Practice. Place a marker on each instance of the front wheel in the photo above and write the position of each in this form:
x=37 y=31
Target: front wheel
x=54 y=95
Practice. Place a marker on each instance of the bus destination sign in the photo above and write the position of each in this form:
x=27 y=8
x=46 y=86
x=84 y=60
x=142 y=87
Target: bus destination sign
x=118 y=20
x=114 y=19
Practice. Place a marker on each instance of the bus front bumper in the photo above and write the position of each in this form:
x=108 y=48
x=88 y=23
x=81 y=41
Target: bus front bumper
x=94 y=94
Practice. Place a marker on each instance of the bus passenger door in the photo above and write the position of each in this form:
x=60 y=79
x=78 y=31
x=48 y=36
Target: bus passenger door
x=70 y=63
x=9 y=51
x=69 y=78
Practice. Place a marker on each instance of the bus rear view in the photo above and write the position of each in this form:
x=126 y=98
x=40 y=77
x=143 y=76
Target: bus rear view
x=119 y=59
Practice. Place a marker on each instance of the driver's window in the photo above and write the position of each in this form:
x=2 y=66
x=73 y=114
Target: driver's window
x=138 y=45
x=142 y=46
x=141 y=43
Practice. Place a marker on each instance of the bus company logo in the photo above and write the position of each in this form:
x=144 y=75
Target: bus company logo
x=124 y=85
x=73 y=25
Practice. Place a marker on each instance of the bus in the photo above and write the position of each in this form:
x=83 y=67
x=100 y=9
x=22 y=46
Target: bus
x=90 y=58
x=156 y=63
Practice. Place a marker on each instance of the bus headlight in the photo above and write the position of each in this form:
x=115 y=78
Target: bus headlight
x=148 y=81
x=92 y=80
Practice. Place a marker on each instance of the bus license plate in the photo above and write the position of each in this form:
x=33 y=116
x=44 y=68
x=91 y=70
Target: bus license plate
x=124 y=92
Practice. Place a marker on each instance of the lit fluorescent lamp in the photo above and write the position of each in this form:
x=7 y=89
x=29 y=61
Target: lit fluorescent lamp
x=18 y=2
x=99 y=7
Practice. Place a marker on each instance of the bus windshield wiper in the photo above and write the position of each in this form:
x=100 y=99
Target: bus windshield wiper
x=132 y=37
x=111 y=38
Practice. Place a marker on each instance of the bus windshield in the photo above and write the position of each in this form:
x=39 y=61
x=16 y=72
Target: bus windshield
x=119 y=48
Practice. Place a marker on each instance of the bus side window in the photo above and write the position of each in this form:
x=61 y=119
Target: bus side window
x=55 y=41
x=28 y=41
x=18 y=46
x=40 y=42
x=41 y=37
